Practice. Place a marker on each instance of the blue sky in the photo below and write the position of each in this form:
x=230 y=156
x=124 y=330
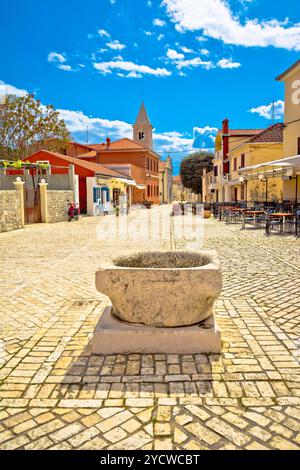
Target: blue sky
x=196 y=62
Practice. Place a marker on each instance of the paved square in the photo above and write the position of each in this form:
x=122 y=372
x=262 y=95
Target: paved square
x=55 y=395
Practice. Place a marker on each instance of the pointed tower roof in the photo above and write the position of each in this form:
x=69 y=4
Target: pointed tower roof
x=142 y=117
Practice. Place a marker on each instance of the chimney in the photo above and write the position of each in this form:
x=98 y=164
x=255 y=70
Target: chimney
x=225 y=137
x=225 y=126
x=108 y=141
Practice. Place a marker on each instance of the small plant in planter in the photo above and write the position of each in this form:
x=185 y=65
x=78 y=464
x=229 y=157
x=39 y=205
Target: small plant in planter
x=117 y=209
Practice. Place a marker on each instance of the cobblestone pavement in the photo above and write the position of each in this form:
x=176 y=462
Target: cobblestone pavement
x=55 y=395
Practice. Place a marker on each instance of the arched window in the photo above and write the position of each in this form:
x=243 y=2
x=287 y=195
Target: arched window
x=141 y=135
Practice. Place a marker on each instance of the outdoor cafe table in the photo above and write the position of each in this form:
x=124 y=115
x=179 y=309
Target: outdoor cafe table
x=283 y=216
x=255 y=214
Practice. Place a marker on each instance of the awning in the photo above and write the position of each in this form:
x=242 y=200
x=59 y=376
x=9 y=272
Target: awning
x=234 y=183
x=140 y=186
x=126 y=181
x=284 y=163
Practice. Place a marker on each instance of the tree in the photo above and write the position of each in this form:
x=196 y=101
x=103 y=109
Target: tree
x=27 y=126
x=191 y=170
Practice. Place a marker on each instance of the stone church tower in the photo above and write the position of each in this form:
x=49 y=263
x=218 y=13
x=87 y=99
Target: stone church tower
x=142 y=129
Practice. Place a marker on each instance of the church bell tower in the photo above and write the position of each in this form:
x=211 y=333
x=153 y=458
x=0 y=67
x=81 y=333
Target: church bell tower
x=142 y=129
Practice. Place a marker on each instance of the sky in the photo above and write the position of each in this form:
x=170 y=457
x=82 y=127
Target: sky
x=194 y=62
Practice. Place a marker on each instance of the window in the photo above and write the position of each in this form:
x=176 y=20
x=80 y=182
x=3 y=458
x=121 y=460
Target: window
x=147 y=163
x=148 y=191
x=141 y=135
x=215 y=171
x=235 y=164
x=242 y=160
x=242 y=193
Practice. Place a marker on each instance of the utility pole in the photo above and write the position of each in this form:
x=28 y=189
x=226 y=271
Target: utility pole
x=273 y=112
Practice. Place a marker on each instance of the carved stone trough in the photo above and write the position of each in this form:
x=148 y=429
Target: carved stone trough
x=162 y=302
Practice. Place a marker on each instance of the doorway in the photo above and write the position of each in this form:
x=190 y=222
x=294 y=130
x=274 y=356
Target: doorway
x=82 y=194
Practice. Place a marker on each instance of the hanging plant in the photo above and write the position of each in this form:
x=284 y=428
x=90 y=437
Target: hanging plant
x=19 y=164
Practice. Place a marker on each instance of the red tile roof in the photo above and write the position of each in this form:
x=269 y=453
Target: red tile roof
x=90 y=154
x=93 y=167
x=242 y=132
x=122 y=144
x=273 y=133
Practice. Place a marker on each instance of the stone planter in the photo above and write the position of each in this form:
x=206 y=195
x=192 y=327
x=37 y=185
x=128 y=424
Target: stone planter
x=162 y=289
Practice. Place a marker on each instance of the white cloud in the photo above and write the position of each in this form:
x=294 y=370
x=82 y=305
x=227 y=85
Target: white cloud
x=134 y=74
x=6 y=89
x=228 y=64
x=195 y=62
x=103 y=33
x=59 y=60
x=167 y=142
x=126 y=66
x=149 y=4
x=216 y=20
x=160 y=37
x=55 y=57
x=204 y=52
x=99 y=128
x=204 y=137
x=266 y=111
x=159 y=22
x=148 y=33
x=116 y=45
x=66 y=68
x=174 y=55
x=187 y=50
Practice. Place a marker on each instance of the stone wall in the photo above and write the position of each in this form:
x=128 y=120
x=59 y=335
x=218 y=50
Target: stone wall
x=10 y=210
x=57 y=205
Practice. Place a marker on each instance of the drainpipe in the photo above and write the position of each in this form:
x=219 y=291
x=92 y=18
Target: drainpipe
x=225 y=137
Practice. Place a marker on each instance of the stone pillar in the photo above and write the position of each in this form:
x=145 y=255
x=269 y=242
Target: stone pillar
x=19 y=186
x=44 y=201
x=71 y=177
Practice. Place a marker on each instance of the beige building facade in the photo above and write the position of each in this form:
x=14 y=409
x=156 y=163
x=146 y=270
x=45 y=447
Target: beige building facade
x=226 y=141
x=264 y=147
x=273 y=172
x=291 y=80
x=291 y=135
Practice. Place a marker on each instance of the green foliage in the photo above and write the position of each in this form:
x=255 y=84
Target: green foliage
x=26 y=126
x=191 y=170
